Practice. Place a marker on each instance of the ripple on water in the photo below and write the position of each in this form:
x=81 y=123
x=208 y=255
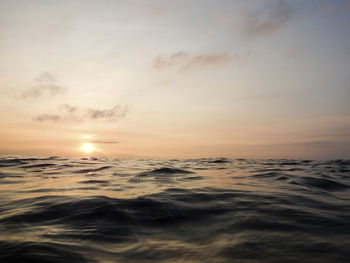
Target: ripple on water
x=210 y=210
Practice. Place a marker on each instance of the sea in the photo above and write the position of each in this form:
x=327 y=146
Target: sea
x=196 y=210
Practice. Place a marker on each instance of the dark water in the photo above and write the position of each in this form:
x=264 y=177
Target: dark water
x=202 y=210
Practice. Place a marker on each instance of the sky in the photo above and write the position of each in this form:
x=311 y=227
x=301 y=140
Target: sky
x=175 y=79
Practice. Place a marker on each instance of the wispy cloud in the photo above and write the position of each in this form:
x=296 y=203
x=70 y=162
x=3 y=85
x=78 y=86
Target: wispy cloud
x=186 y=61
x=46 y=85
x=48 y=117
x=72 y=113
x=114 y=113
x=266 y=21
x=331 y=7
x=104 y=142
x=68 y=108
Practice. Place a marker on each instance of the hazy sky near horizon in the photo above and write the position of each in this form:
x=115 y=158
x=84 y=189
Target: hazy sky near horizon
x=175 y=79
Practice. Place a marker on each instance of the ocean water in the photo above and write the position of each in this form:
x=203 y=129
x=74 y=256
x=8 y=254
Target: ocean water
x=201 y=210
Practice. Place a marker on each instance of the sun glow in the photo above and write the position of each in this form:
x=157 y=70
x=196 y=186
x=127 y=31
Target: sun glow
x=88 y=147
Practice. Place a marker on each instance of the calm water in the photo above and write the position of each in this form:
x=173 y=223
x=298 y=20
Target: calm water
x=202 y=210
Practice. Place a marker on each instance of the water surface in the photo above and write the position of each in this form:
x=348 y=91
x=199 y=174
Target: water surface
x=200 y=210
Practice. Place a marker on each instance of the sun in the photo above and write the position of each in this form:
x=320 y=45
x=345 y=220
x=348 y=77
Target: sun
x=88 y=147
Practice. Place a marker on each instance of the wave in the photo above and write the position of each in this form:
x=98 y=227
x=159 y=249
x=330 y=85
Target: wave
x=40 y=252
x=39 y=165
x=91 y=170
x=323 y=183
x=167 y=170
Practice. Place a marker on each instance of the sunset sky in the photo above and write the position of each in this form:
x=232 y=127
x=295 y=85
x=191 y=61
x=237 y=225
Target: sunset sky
x=175 y=79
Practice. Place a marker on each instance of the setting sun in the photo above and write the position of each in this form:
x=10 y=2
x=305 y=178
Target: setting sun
x=87 y=148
